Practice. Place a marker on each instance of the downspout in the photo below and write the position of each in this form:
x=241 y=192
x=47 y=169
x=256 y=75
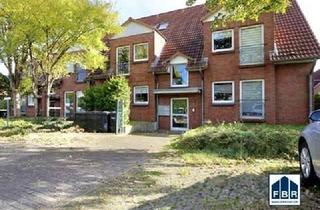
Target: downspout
x=311 y=89
x=157 y=99
x=202 y=102
x=202 y=97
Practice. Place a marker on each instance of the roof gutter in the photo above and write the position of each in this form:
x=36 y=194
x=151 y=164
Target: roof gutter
x=296 y=61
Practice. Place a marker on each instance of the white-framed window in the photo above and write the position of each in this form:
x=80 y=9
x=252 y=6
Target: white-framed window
x=30 y=100
x=252 y=99
x=223 y=40
x=79 y=96
x=223 y=92
x=251 y=45
x=141 y=52
x=179 y=75
x=123 y=60
x=141 y=95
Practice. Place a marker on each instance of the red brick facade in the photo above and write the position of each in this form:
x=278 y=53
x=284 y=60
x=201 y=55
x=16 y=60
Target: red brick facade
x=286 y=83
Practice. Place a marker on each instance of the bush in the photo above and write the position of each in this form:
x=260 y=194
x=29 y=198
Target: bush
x=239 y=140
x=104 y=97
x=317 y=101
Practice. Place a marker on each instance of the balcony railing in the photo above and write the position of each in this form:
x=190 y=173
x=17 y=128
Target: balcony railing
x=252 y=54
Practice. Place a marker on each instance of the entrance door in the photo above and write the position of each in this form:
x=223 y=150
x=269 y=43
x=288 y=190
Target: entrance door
x=69 y=104
x=179 y=114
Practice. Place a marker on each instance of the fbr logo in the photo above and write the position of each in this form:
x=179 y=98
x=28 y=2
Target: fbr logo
x=284 y=189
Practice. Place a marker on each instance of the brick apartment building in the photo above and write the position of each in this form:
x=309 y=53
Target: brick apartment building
x=183 y=74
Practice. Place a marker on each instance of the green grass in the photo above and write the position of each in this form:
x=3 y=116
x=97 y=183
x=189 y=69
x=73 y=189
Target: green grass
x=240 y=141
x=22 y=126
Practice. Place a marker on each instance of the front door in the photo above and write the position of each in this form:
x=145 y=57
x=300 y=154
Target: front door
x=179 y=114
x=69 y=105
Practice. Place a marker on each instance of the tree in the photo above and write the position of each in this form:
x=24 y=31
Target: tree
x=241 y=10
x=67 y=31
x=4 y=90
x=39 y=37
x=4 y=86
x=105 y=96
x=13 y=48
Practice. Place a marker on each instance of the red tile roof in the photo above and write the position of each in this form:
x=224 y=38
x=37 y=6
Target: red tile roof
x=184 y=33
x=294 y=39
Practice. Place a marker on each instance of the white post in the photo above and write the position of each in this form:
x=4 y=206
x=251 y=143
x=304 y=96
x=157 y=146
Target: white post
x=8 y=109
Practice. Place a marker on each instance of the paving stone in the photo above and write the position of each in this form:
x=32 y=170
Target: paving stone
x=47 y=177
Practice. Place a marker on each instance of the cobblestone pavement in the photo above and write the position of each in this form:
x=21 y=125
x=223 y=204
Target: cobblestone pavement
x=36 y=177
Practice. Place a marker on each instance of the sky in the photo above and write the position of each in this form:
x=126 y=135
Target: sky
x=140 y=8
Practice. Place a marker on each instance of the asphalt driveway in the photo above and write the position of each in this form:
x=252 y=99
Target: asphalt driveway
x=45 y=177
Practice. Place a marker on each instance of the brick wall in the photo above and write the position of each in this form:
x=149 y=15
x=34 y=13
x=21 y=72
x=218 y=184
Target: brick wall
x=140 y=74
x=226 y=67
x=293 y=93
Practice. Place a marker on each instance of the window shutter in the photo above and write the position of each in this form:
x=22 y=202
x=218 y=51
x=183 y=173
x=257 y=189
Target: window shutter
x=251 y=45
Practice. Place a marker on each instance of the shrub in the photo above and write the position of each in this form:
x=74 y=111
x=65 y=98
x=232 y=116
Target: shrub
x=239 y=140
x=317 y=101
x=104 y=97
x=24 y=126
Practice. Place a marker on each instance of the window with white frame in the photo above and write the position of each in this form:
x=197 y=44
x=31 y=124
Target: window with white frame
x=141 y=95
x=30 y=100
x=222 y=41
x=141 y=52
x=251 y=45
x=252 y=99
x=79 y=102
x=223 y=92
x=179 y=75
x=123 y=60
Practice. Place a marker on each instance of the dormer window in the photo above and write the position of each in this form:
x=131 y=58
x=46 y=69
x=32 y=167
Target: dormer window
x=179 y=75
x=163 y=26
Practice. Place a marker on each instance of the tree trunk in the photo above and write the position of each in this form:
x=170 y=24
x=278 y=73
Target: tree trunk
x=47 y=103
x=47 y=89
x=16 y=103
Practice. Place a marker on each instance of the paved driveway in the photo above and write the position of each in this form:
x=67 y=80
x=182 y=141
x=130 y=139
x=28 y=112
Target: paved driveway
x=44 y=177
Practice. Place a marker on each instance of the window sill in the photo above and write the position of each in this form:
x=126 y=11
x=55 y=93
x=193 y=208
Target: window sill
x=179 y=86
x=222 y=104
x=253 y=120
x=140 y=105
x=222 y=52
x=246 y=66
x=140 y=62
